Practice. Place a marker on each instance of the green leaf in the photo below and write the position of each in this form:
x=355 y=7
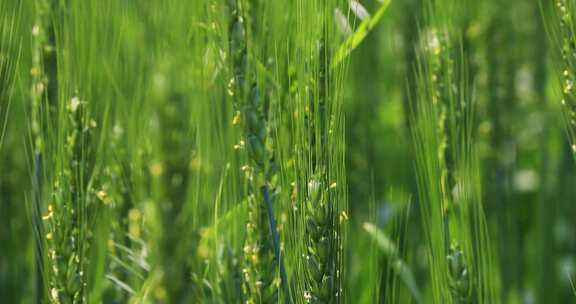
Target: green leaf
x=390 y=251
x=354 y=40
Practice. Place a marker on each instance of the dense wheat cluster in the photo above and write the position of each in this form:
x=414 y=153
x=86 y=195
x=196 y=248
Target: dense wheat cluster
x=295 y=151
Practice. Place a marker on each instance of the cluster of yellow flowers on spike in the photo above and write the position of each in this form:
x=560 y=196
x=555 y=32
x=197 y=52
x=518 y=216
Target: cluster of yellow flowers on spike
x=248 y=102
x=569 y=57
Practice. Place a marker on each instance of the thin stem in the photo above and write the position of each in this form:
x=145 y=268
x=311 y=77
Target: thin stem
x=275 y=239
x=37 y=220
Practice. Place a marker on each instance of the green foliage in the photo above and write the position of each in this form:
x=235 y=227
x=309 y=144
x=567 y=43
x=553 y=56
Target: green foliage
x=299 y=151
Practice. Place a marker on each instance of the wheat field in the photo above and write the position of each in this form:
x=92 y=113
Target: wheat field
x=295 y=151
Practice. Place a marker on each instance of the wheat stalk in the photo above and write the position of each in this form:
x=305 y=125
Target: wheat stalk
x=322 y=201
x=321 y=233
x=447 y=167
x=262 y=246
x=43 y=71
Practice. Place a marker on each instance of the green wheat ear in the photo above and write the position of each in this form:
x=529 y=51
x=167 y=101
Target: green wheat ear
x=459 y=275
x=263 y=258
